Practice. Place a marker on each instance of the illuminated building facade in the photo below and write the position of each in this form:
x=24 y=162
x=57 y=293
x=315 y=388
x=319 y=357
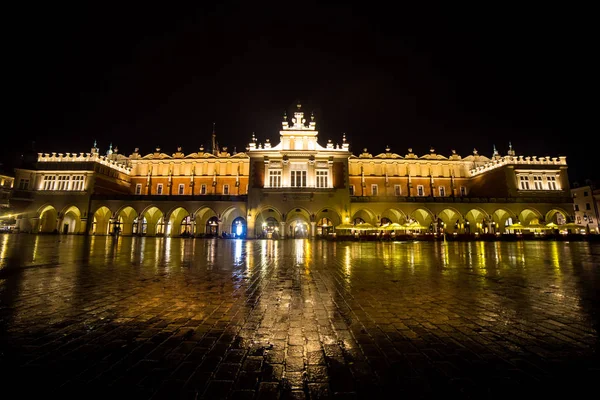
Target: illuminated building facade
x=296 y=188
x=586 y=207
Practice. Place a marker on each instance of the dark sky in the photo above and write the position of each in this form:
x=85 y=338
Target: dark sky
x=442 y=76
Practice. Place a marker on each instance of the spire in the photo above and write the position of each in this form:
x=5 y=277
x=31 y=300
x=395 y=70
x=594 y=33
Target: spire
x=495 y=151
x=109 y=151
x=214 y=141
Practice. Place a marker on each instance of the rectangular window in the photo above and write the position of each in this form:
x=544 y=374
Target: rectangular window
x=397 y=190
x=537 y=181
x=374 y=190
x=24 y=184
x=49 y=182
x=275 y=178
x=322 y=179
x=181 y=189
x=442 y=191
x=578 y=219
x=138 y=188
x=463 y=191
x=63 y=182
x=77 y=182
x=159 y=188
x=585 y=194
x=587 y=206
x=203 y=189
x=552 y=183
x=524 y=182
x=298 y=178
x=420 y=191
x=576 y=207
x=351 y=190
x=225 y=189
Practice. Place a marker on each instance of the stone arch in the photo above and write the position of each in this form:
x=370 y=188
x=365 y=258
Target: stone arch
x=503 y=217
x=175 y=217
x=101 y=221
x=330 y=214
x=451 y=219
x=394 y=215
x=476 y=221
x=202 y=216
x=266 y=223
x=154 y=220
x=71 y=220
x=229 y=215
x=423 y=216
x=47 y=219
x=125 y=217
x=298 y=221
x=556 y=215
x=366 y=215
x=529 y=215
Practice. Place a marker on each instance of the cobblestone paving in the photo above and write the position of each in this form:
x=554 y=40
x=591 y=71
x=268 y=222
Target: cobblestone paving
x=155 y=318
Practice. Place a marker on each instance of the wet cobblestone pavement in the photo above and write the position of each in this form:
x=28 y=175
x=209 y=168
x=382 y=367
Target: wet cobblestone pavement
x=148 y=318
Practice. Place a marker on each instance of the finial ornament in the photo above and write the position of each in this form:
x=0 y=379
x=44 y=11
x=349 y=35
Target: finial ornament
x=475 y=151
x=410 y=149
x=510 y=145
x=344 y=137
x=387 y=148
x=431 y=150
x=95 y=145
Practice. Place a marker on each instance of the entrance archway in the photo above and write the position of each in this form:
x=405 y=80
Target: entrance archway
x=238 y=227
x=324 y=227
x=212 y=226
x=298 y=229
x=71 y=221
x=155 y=225
x=48 y=218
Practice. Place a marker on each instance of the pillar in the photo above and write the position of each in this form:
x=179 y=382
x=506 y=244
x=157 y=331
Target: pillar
x=140 y=224
x=313 y=229
x=282 y=230
x=250 y=234
x=83 y=226
x=219 y=227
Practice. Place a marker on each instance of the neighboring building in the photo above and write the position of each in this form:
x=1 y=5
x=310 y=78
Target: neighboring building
x=586 y=207
x=7 y=219
x=296 y=188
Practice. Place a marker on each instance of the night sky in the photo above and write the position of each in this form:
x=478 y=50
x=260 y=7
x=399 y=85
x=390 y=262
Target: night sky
x=442 y=76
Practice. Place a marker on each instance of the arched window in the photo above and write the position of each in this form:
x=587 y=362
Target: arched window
x=186 y=226
x=160 y=226
x=135 y=226
x=385 y=221
x=212 y=226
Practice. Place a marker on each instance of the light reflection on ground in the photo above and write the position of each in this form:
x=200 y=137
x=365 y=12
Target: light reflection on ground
x=216 y=318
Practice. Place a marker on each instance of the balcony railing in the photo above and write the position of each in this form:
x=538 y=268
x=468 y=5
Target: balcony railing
x=174 y=197
x=458 y=199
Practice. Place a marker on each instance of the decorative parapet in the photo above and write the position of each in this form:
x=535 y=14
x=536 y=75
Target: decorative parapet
x=520 y=160
x=84 y=157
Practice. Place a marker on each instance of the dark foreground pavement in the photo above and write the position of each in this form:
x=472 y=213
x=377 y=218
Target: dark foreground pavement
x=189 y=318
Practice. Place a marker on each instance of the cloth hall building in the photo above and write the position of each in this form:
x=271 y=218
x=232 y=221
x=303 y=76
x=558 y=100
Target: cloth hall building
x=295 y=188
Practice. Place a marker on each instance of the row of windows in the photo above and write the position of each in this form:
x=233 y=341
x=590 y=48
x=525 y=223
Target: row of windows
x=538 y=184
x=60 y=182
x=180 y=189
x=298 y=178
x=589 y=220
x=420 y=190
x=587 y=207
